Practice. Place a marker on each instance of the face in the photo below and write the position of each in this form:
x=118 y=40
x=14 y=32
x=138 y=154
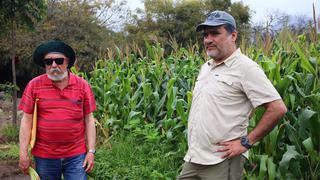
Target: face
x=219 y=44
x=56 y=66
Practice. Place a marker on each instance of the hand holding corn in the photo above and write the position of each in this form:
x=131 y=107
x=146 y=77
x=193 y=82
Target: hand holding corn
x=24 y=164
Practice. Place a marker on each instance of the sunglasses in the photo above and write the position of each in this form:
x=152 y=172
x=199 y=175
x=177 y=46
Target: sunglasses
x=49 y=61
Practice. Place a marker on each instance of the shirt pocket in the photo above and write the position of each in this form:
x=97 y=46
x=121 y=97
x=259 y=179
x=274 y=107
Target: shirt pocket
x=225 y=88
x=77 y=106
x=77 y=103
x=225 y=81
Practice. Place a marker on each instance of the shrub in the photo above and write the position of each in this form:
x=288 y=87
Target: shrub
x=11 y=133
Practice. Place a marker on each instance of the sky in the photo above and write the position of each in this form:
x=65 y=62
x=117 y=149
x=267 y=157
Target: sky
x=260 y=8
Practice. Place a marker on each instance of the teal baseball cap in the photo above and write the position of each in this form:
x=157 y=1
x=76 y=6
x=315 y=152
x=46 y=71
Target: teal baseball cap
x=217 y=18
x=56 y=47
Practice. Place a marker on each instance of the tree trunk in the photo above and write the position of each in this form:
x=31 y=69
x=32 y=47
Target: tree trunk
x=14 y=81
x=14 y=93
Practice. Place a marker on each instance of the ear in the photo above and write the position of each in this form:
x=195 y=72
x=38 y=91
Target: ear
x=234 y=36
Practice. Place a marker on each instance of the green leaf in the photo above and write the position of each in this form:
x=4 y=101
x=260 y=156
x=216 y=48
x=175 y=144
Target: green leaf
x=171 y=94
x=273 y=135
x=133 y=115
x=311 y=150
x=304 y=120
x=180 y=110
x=290 y=154
x=147 y=89
x=263 y=166
x=271 y=169
x=304 y=61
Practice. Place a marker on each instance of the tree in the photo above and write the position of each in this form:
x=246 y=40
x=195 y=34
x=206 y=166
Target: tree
x=12 y=15
x=169 y=19
x=277 y=24
x=82 y=24
x=77 y=22
x=110 y=12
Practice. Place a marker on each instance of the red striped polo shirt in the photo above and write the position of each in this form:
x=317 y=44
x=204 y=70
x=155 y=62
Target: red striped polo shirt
x=61 y=125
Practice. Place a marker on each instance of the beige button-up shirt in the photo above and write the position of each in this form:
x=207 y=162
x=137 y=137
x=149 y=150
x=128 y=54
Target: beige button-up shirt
x=223 y=97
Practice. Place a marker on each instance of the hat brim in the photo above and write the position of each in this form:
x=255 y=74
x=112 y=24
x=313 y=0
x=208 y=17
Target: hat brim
x=53 y=46
x=201 y=26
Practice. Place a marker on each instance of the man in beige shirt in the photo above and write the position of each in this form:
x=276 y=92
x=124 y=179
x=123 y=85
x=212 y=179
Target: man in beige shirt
x=227 y=89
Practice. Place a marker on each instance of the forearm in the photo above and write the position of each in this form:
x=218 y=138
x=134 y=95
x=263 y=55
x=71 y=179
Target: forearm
x=90 y=131
x=274 y=111
x=24 y=134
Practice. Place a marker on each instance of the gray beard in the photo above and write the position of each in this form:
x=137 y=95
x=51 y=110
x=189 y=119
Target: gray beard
x=57 y=77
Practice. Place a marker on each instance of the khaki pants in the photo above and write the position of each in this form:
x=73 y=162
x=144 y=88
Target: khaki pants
x=229 y=169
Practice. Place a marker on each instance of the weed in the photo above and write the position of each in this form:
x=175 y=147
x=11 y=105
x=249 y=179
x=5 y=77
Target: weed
x=11 y=133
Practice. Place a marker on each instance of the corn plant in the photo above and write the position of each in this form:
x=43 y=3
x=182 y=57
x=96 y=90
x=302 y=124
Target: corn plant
x=150 y=96
x=291 y=150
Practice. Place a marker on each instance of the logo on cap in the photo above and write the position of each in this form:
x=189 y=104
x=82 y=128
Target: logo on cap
x=214 y=15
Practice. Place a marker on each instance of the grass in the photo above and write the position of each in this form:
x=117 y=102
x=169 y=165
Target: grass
x=10 y=133
x=133 y=158
x=9 y=151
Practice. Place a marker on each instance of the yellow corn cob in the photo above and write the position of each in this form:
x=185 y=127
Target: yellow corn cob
x=34 y=125
x=33 y=174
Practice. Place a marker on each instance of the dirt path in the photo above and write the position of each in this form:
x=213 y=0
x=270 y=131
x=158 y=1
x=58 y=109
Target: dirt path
x=9 y=169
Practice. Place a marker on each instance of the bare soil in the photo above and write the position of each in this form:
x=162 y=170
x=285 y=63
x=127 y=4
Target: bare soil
x=9 y=169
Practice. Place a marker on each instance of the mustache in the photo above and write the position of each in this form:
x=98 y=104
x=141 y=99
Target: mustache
x=210 y=44
x=52 y=70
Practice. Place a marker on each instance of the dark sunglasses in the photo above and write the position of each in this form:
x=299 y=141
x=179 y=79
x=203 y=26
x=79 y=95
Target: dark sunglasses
x=49 y=61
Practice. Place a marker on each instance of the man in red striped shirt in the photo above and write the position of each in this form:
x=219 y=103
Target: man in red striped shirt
x=65 y=140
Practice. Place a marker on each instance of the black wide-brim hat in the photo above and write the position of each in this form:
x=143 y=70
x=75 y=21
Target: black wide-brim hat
x=53 y=46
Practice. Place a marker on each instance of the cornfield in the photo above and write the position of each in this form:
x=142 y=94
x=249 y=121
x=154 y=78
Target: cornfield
x=149 y=95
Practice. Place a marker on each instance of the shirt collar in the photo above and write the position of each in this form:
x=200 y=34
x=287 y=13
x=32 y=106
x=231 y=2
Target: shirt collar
x=228 y=62
x=72 y=79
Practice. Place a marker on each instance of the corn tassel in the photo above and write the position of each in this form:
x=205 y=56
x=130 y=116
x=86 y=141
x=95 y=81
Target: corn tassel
x=34 y=125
